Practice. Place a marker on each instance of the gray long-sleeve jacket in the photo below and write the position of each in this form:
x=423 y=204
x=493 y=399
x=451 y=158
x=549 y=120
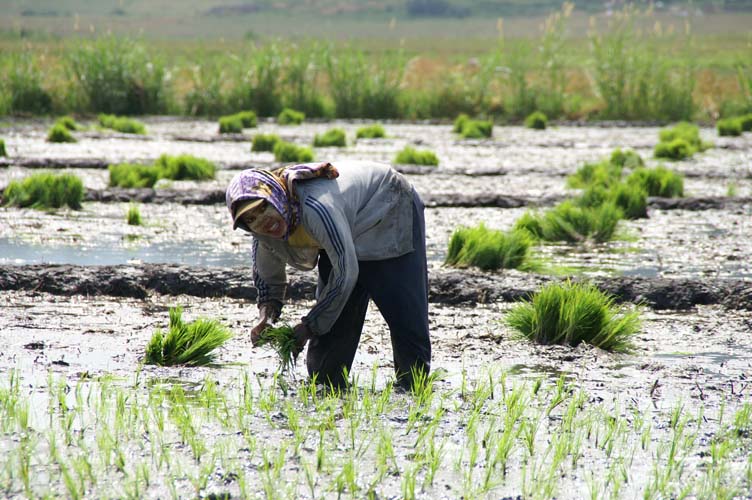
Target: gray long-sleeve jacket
x=364 y=214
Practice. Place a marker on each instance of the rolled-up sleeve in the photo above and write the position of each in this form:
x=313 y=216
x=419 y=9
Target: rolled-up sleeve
x=269 y=275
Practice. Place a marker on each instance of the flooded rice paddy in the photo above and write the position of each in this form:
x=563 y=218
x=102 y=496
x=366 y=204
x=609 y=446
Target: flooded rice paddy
x=80 y=417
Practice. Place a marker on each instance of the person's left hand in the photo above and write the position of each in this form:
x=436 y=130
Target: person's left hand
x=302 y=335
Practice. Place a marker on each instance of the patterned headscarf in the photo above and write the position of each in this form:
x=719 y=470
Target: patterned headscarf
x=275 y=187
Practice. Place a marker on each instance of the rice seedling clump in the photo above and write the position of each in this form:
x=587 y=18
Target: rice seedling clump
x=67 y=122
x=59 y=133
x=572 y=223
x=134 y=215
x=374 y=131
x=282 y=340
x=230 y=125
x=631 y=199
x=746 y=122
x=572 y=313
x=45 y=190
x=729 y=127
x=287 y=152
x=331 y=138
x=680 y=142
x=128 y=175
x=601 y=174
x=289 y=116
x=121 y=124
x=488 y=249
x=264 y=142
x=658 y=181
x=627 y=158
x=3 y=152
x=412 y=156
x=247 y=119
x=536 y=120
x=472 y=129
x=186 y=344
x=185 y=167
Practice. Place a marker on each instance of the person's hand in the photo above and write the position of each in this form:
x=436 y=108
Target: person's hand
x=266 y=316
x=302 y=335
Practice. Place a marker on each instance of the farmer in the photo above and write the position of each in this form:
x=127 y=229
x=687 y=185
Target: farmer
x=362 y=224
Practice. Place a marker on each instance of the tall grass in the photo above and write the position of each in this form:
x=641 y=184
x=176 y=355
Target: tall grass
x=119 y=76
x=260 y=82
x=572 y=313
x=22 y=83
x=488 y=249
x=45 y=190
x=303 y=72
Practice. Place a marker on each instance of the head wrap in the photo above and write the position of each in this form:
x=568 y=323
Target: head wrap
x=276 y=188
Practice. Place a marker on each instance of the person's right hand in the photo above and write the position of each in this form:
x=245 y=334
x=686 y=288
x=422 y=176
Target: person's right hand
x=266 y=316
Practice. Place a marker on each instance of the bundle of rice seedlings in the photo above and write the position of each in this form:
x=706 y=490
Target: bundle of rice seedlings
x=58 y=133
x=264 y=142
x=185 y=167
x=459 y=123
x=287 y=152
x=602 y=174
x=412 y=156
x=680 y=142
x=630 y=198
x=230 y=125
x=3 y=152
x=45 y=190
x=186 y=344
x=374 y=131
x=572 y=223
x=282 y=340
x=472 y=129
x=627 y=158
x=331 y=138
x=129 y=175
x=658 y=181
x=488 y=249
x=247 y=118
x=729 y=127
x=677 y=149
x=67 y=122
x=536 y=120
x=121 y=124
x=134 y=215
x=746 y=122
x=572 y=313
x=290 y=116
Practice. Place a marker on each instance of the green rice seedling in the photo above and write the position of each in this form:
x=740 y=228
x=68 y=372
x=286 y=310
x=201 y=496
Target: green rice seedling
x=289 y=116
x=572 y=223
x=630 y=198
x=488 y=249
x=133 y=176
x=186 y=344
x=658 y=181
x=746 y=122
x=374 y=131
x=121 y=124
x=67 y=122
x=282 y=340
x=185 y=167
x=677 y=149
x=3 y=151
x=570 y=313
x=729 y=127
x=600 y=174
x=412 y=156
x=264 y=142
x=247 y=118
x=45 y=190
x=58 y=133
x=287 y=152
x=231 y=124
x=459 y=123
x=134 y=215
x=536 y=120
x=688 y=132
x=627 y=158
x=331 y=138
x=477 y=129
x=732 y=189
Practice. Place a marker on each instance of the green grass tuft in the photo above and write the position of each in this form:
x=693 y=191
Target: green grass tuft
x=488 y=249
x=186 y=344
x=231 y=124
x=658 y=181
x=45 y=190
x=729 y=127
x=121 y=124
x=374 y=131
x=289 y=116
x=287 y=152
x=282 y=340
x=331 y=138
x=572 y=313
x=3 y=151
x=536 y=120
x=264 y=142
x=412 y=156
x=134 y=215
x=58 y=133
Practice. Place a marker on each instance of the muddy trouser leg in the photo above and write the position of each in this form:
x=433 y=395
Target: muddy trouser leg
x=330 y=354
x=399 y=287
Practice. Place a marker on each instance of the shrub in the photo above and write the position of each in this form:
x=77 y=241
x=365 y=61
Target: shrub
x=247 y=118
x=58 y=133
x=411 y=156
x=746 y=122
x=602 y=174
x=287 y=152
x=68 y=122
x=627 y=158
x=133 y=176
x=121 y=124
x=536 y=120
x=282 y=340
x=572 y=313
x=331 y=138
x=375 y=131
x=570 y=222
x=3 y=152
x=289 y=116
x=658 y=181
x=729 y=127
x=264 y=142
x=186 y=344
x=677 y=149
x=488 y=249
x=185 y=167
x=231 y=124
x=45 y=190
x=134 y=215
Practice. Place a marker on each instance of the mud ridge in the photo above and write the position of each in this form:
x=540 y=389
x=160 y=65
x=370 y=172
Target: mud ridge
x=446 y=286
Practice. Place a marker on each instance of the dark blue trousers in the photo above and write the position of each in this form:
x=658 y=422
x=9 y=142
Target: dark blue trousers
x=399 y=288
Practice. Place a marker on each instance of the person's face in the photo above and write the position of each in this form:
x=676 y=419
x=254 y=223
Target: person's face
x=266 y=221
